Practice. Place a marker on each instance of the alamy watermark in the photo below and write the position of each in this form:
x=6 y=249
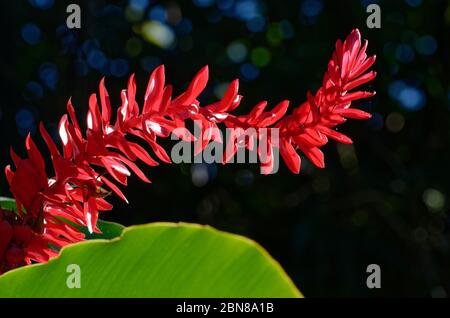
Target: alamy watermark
x=237 y=145
x=373 y=21
x=73 y=20
x=74 y=278
x=374 y=279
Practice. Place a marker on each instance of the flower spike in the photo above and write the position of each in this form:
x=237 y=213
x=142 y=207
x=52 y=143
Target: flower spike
x=104 y=157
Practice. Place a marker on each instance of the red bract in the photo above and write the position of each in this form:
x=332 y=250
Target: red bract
x=50 y=209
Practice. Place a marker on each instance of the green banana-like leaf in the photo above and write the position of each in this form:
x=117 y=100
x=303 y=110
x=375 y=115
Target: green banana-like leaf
x=156 y=260
x=109 y=230
x=8 y=204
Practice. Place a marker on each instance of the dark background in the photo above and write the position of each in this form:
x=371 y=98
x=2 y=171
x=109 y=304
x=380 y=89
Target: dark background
x=383 y=200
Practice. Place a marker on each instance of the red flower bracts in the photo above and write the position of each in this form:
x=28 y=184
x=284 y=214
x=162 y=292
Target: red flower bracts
x=51 y=210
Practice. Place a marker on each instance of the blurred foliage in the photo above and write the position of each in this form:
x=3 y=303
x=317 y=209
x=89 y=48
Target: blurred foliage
x=383 y=200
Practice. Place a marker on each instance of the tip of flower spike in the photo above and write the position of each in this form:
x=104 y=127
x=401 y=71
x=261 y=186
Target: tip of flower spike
x=9 y=175
x=28 y=142
x=62 y=130
x=355 y=33
x=356 y=30
x=160 y=68
x=203 y=76
x=16 y=159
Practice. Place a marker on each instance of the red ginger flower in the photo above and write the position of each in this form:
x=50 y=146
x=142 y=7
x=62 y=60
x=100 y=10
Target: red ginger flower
x=103 y=156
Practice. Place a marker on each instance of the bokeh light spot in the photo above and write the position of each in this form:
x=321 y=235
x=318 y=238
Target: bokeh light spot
x=433 y=199
x=220 y=89
x=96 y=59
x=133 y=47
x=395 y=122
x=25 y=121
x=413 y=3
x=410 y=97
x=249 y=71
x=426 y=45
x=49 y=75
x=260 y=56
x=184 y=26
x=42 y=4
x=133 y=15
x=119 y=67
x=256 y=24
x=199 y=174
x=311 y=8
x=203 y=3
x=247 y=10
x=158 y=34
x=158 y=13
x=404 y=53
x=31 y=33
x=139 y=5
x=237 y=52
x=274 y=34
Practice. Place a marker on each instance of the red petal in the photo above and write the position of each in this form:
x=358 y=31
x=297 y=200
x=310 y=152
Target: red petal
x=106 y=104
x=256 y=112
x=315 y=155
x=275 y=114
x=64 y=135
x=154 y=92
x=131 y=94
x=34 y=154
x=9 y=174
x=360 y=80
x=94 y=116
x=159 y=151
x=115 y=169
x=290 y=156
x=197 y=85
x=363 y=67
x=16 y=159
x=335 y=135
x=229 y=97
x=347 y=98
x=142 y=154
x=353 y=113
x=114 y=188
x=48 y=140
x=135 y=169
x=73 y=117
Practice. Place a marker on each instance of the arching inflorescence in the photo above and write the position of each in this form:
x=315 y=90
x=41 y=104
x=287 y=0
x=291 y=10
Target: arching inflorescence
x=101 y=159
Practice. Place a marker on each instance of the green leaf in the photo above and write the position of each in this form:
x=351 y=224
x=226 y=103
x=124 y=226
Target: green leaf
x=157 y=260
x=109 y=230
x=8 y=204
